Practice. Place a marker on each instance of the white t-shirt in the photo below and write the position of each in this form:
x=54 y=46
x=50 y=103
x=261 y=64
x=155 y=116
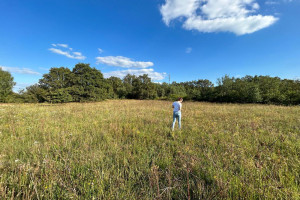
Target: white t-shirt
x=177 y=106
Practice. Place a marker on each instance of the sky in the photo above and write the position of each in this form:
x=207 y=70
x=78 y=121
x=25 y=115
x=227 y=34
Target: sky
x=186 y=39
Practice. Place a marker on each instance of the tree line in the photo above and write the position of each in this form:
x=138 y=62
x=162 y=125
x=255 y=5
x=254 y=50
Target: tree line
x=86 y=84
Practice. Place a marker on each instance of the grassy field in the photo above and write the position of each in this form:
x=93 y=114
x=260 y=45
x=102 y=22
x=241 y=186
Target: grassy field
x=124 y=149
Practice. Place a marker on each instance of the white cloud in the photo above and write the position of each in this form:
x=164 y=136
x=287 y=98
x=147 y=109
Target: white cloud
x=19 y=70
x=255 y=6
x=63 y=45
x=239 y=26
x=237 y=16
x=273 y=2
x=120 y=61
x=77 y=53
x=178 y=8
x=100 y=50
x=188 y=50
x=68 y=53
x=60 y=45
x=156 y=76
x=139 y=67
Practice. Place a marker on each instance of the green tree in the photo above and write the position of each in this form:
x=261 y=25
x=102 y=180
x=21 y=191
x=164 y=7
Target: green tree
x=177 y=90
x=57 y=78
x=118 y=87
x=6 y=85
x=56 y=84
x=140 y=87
x=270 y=89
x=35 y=94
x=61 y=95
x=146 y=88
x=160 y=90
x=291 y=91
x=207 y=88
x=88 y=84
x=224 y=90
x=128 y=81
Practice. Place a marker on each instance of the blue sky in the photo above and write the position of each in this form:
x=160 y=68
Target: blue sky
x=188 y=39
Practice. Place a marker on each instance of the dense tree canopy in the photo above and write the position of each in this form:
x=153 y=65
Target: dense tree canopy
x=84 y=83
x=6 y=85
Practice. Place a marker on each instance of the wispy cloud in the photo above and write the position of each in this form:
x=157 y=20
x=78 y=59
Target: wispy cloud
x=68 y=53
x=156 y=76
x=19 y=70
x=120 y=61
x=271 y=2
x=100 y=50
x=188 y=50
x=61 y=45
x=237 y=16
x=277 y=2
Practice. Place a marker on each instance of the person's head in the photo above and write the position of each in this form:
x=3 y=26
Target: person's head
x=180 y=99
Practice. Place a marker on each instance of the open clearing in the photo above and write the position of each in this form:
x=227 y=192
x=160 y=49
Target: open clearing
x=123 y=149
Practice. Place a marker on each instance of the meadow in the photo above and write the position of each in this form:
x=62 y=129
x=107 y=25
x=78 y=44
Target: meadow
x=124 y=149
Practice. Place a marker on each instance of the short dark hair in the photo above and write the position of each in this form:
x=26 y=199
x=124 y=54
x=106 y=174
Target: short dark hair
x=180 y=98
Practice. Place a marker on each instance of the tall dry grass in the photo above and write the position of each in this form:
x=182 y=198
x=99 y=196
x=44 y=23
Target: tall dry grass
x=124 y=149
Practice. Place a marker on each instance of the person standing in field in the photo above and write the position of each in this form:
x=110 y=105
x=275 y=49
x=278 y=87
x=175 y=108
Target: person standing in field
x=177 y=106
